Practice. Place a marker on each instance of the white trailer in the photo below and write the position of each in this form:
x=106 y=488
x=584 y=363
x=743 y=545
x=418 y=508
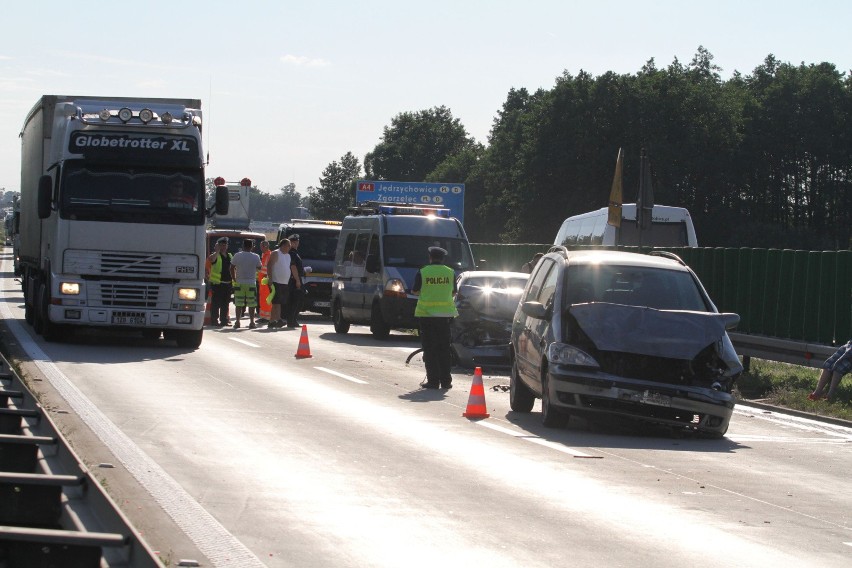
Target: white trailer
x=113 y=216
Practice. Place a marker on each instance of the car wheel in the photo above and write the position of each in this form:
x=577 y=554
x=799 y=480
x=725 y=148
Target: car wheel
x=378 y=327
x=340 y=324
x=551 y=416
x=521 y=398
x=714 y=435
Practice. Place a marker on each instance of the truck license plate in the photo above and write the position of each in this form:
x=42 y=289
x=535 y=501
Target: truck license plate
x=128 y=318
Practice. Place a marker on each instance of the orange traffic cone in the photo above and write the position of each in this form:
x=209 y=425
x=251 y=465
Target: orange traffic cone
x=207 y=308
x=476 y=402
x=304 y=350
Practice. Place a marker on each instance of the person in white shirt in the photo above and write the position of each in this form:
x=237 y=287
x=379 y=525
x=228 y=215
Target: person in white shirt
x=244 y=267
x=279 y=272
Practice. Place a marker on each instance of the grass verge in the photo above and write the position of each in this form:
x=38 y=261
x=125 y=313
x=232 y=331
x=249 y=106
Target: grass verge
x=782 y=384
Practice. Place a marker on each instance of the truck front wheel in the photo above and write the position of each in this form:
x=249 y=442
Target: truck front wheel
x=188 y=338
x=49 y=330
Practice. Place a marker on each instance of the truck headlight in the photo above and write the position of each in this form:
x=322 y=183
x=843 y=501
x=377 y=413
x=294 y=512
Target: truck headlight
x=188 y=294
x=70 y=288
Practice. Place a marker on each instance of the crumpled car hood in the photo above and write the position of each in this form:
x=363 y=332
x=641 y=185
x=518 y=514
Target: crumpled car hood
x=647 y=331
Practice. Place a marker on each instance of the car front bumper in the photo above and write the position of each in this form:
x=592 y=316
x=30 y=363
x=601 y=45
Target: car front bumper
x=692 y=408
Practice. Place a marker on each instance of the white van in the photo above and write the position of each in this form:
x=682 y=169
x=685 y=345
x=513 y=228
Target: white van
x=380 y=250
x=670 y=227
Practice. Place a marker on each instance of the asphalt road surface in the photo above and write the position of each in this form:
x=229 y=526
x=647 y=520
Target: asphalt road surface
x=239 y=454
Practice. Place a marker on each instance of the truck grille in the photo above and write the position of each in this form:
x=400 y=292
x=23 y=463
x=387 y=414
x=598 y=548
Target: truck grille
x=130 y=265
x=126 y=295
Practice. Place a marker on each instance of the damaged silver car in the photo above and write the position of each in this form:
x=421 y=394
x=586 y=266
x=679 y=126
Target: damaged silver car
x=486 y=301
x=610 y=333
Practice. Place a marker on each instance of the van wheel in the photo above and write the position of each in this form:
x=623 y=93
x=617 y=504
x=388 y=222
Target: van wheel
x=340 y=324
x=378 y=327
x=521 y=398
x=551 y=416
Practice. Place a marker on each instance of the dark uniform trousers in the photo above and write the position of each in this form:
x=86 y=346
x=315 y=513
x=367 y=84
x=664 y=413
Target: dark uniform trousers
x=435 y=338
x=220 y=303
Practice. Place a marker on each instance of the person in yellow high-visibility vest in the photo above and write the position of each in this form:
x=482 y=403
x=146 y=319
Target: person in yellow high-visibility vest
x=220 y=282
x=435 y=285
x=265 y=308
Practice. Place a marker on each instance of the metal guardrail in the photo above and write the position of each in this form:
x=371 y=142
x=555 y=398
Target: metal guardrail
x=53 y=512
x=783 y=350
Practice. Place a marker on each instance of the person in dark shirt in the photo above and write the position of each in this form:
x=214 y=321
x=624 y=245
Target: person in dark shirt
x=220 y=283
x=297 y=284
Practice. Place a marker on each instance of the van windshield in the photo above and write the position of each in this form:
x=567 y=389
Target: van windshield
x=413 y=251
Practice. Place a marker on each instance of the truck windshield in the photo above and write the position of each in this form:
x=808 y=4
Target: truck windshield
x=139 y=195
x=413 y=251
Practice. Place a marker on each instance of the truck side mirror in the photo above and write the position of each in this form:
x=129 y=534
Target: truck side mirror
x=45 y=192
x=222 y=200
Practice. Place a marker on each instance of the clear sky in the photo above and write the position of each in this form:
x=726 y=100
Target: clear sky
x=288 y=87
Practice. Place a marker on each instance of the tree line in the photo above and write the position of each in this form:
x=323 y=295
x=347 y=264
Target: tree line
x=760 y=160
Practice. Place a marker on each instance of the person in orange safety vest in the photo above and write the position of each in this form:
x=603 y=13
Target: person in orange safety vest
x=263 y=289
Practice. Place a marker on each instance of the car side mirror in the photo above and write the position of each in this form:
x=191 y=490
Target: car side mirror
x=535 y=310
x=731 y=320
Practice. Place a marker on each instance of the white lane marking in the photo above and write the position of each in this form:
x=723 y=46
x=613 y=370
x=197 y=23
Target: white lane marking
x=787 y=439
x=536 y=440
x=801 y=423
x=341 y=375
x=244 y=342
x=220 y=546
x=848 y=543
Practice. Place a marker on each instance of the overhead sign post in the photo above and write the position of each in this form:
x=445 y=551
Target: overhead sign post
x=448 y=195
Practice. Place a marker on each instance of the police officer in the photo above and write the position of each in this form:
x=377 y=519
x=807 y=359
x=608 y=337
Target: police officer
x=220 y=283
x=436 y=284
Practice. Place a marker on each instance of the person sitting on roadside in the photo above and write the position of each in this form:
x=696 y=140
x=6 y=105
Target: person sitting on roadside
x=839 y=364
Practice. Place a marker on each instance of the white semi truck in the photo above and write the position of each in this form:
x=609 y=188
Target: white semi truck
x=113 y=216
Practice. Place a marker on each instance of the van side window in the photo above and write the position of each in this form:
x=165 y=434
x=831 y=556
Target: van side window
x=374 y=245
x=349 y=246
x=598 y=230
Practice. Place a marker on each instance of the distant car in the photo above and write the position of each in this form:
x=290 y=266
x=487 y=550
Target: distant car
x=486 y=302
x=608 y=333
